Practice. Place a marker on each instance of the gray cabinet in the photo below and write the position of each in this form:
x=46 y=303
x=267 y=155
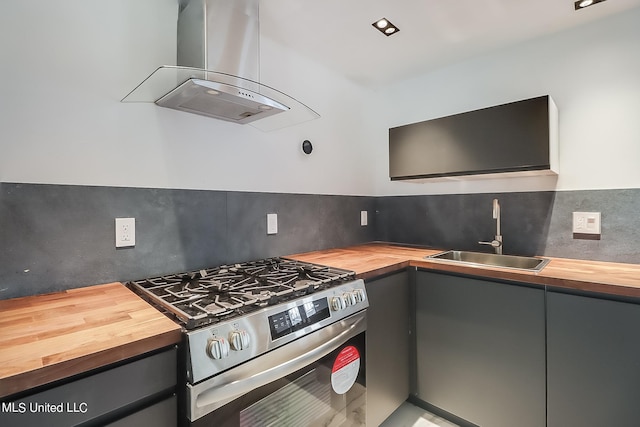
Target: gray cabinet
x=135 y=392
x=480 y=350
x=161 y=414
x=516 y=137
x=388 y=323
x=593 y=361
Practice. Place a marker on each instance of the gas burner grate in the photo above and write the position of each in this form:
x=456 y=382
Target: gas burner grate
x=207 y=296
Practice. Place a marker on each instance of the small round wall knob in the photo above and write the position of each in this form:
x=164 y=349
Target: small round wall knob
x=307 y=147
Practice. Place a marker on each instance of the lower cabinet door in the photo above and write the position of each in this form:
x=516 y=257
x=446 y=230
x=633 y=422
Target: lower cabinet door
x=593 y=362
x=480 y=350
x=162 y=414
x=388 y=323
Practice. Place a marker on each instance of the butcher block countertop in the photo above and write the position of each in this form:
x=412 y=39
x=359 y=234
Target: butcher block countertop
x=44 y=338
x=373 y=259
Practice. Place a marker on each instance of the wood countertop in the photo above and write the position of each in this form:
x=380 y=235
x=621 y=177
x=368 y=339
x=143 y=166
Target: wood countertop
x=44 y=338
x=373 y=259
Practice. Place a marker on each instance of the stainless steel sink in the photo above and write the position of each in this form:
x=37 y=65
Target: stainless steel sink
x=492 y=260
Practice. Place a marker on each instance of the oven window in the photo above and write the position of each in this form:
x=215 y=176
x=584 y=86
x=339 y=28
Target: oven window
x=328 y=392
x=299 y=403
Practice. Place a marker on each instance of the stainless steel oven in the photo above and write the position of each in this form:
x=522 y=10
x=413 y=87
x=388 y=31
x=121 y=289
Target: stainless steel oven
x=319 y=380
x=275 y=342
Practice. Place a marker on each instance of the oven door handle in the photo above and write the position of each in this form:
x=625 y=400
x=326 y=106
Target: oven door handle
x=217 y=391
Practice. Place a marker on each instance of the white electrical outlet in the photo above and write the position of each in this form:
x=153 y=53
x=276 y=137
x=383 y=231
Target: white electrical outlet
x=125 y=232
x=272 y=223
x=363 y=218
x=586 y=222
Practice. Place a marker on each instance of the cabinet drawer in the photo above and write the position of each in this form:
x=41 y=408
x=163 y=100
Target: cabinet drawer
x=95 y=396
x=162 y=414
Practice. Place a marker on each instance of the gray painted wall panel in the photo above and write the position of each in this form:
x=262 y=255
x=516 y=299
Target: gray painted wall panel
x=57 y=237
x=533 y=223
x=620 y=225
x=305 y=222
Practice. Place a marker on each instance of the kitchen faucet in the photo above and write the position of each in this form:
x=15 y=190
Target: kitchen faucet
x=497 y=241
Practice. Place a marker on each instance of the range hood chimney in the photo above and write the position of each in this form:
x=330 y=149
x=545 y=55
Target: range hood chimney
x=218 y=69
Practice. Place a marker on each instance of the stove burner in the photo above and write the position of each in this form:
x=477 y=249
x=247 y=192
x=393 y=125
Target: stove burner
x=210 y=295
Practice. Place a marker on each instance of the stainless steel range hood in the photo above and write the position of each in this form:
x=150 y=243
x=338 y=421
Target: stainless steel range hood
x=218 y=69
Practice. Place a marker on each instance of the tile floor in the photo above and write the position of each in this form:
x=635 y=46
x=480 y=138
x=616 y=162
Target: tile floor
x=409 y=415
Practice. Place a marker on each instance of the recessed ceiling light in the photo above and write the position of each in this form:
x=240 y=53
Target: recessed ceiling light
x=581 y=4
x=385 y=27
x=382 y=23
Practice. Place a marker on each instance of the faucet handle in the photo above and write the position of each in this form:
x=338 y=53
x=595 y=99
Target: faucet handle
x=493 y=243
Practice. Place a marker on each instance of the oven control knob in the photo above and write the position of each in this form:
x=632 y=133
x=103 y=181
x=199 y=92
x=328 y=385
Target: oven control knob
x=218 y=348
x=338 y=303
x=349 y=298
x=239 y=339
x=359 y=295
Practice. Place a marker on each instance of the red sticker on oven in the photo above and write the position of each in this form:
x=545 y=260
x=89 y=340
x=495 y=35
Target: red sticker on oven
x=345 y=369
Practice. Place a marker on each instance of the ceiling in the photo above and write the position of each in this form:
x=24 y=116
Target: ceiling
x=433 y=33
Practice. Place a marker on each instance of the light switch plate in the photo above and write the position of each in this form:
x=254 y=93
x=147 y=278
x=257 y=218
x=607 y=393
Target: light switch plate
x=363 y=218
x=272 y=223
x=586 y=222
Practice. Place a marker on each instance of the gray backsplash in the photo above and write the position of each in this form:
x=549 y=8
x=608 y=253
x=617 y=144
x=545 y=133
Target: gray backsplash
x=57 y=237
x=533 y=223
x=459 y=221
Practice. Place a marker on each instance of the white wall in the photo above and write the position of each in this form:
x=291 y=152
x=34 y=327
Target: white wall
x=66 y=64
x=593 y=74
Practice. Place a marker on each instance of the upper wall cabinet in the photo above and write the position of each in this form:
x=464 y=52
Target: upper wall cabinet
x=517 y=138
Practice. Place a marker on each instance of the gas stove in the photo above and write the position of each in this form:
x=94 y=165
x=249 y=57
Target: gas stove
x=213 y=295
x=245 y=325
